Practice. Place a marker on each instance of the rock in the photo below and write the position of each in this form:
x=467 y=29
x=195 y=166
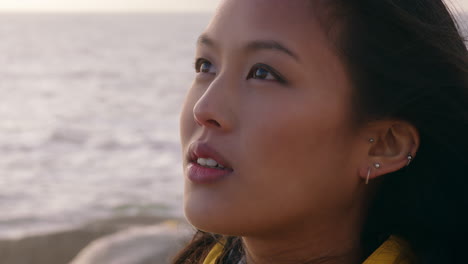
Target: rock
x=155 y=244
x=55 y=248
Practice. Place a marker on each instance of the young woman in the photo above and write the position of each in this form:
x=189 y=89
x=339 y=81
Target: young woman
x=327 y=131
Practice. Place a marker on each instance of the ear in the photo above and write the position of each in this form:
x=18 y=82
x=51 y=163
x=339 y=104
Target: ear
x=393 y=142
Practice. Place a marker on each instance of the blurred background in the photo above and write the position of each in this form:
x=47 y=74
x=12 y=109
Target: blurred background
x=90 y=94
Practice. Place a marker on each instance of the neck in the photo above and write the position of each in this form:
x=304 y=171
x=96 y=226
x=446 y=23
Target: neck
x=326 y=242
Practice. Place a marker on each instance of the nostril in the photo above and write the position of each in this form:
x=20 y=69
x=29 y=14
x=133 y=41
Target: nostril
x=211 y=121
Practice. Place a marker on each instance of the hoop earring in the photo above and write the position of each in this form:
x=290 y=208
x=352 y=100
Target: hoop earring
x=368 y=174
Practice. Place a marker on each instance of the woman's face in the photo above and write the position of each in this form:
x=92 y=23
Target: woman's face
x=273 y=99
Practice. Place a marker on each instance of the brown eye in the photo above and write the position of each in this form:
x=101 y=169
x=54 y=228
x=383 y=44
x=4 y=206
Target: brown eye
x=261 y=73
x=204 y=66
x=264 y=72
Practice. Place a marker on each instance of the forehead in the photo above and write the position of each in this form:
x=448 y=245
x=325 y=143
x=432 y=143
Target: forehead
x=278 y=7
x=268 y=13
x=290 y=22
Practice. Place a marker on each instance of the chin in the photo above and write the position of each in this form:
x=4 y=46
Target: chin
x=211 y=219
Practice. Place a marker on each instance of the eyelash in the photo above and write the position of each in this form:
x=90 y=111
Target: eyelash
x=277 y=76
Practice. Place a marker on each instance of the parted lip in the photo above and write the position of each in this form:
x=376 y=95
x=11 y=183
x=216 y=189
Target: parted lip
x=200 y=149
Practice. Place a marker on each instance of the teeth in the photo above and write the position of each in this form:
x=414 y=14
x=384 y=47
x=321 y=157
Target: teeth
x=208 y=162
x=211 y=163
x=201 y=161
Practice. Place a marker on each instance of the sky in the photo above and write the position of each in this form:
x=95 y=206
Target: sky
x=127 y=5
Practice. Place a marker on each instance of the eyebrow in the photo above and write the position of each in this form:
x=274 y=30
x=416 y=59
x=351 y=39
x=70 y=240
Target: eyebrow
x=254 y=45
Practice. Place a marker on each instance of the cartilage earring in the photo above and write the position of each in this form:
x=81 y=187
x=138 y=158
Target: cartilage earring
x=368 y=174
x=410 y=158
x=377 y=165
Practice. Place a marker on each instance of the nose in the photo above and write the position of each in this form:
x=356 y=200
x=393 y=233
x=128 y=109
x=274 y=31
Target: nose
x=213 y=109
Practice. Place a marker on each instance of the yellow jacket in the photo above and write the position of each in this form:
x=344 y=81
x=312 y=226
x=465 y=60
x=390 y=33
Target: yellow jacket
x=393 y=251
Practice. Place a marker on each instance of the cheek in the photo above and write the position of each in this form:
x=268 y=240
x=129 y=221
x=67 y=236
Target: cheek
x=291 y=157
x=294 y=148
x=299 y=136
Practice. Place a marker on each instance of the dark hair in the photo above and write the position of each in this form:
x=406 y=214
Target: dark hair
x=407 y=61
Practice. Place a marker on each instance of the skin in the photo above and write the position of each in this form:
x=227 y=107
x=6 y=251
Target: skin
x=297 y=192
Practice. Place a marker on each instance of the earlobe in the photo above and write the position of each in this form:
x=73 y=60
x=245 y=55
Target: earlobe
x=370 y=172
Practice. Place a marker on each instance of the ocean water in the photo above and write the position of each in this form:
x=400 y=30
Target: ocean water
x=89 y=108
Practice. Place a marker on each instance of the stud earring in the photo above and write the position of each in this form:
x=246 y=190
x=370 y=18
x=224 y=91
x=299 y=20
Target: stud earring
x=410 y=158
x=377 y=165
x=371 y=140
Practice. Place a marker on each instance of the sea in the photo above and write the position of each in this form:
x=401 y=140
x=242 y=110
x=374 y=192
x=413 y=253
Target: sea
x=89 y=108
x=89 y=117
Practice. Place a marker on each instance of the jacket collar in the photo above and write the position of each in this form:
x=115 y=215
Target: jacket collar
x=393 y=251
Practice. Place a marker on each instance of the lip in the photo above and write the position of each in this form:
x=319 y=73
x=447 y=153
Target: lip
x=202 y=150
x=204 y=175
x=201 y=174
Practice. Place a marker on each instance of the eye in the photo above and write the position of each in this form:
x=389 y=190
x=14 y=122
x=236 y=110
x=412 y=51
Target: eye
x=204 y=66
x=261 y=73
x=264 y=72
